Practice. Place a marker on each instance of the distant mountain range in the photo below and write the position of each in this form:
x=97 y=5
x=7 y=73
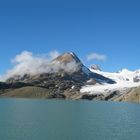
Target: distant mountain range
x=68 y=78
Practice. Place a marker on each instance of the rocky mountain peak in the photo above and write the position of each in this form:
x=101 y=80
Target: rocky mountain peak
x=95 y=67
x=67 y=58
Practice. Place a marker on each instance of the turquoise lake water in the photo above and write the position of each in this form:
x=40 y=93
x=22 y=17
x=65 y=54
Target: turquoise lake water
x=31 y=119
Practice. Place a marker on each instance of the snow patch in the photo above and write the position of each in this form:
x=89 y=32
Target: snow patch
x=124 y=80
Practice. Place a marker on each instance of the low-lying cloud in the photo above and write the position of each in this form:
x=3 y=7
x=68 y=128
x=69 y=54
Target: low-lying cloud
x=96 y=56
x=28 y=63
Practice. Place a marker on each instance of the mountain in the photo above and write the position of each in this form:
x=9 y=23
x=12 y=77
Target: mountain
x=69 y=78
x=65 y=79
x=125 y=80
x=67 y=58
x=67 y=66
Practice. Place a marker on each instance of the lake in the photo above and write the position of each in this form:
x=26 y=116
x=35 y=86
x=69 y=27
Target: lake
x=32 y=119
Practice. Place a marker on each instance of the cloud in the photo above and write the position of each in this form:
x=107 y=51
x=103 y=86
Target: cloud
x=26 y=63
x=96 y=56
x=54 y=54
x=29 y=63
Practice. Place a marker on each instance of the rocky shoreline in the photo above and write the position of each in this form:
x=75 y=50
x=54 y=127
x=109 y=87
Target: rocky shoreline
x=132 y=95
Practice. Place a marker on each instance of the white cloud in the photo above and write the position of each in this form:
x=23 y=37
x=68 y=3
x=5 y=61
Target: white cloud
x=28 y=63
x=96 y=56
x=54 y=54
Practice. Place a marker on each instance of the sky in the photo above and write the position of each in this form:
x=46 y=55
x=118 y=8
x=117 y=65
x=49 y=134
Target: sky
x=103 y=32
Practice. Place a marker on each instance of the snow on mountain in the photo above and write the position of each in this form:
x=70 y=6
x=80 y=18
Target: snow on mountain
x=70 y=59
x=121 y=76
x=124 y=79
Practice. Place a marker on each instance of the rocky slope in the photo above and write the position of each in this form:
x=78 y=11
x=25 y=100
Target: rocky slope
x=133 y=95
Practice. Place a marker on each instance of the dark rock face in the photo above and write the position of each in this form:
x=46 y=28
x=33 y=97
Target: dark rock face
x=5 y=85
x=113 y=94
x=91 y=97
x=136 y=79
x=101 y=79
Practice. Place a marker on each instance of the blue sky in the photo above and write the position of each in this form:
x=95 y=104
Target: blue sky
x=106 y=27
